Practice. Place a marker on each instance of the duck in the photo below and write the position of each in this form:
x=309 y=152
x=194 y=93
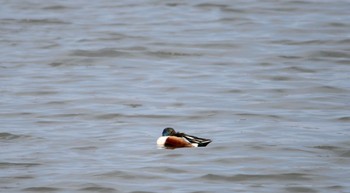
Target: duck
x=171 y=139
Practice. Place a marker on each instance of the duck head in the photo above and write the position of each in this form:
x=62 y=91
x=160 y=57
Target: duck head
x=168 y=131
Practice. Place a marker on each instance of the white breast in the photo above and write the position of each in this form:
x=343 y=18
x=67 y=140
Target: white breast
x=161 y=140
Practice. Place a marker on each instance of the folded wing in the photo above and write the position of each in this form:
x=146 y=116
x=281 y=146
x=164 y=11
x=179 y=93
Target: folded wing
x=202 y=142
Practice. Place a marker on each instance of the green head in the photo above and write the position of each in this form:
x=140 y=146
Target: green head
x=168 y=131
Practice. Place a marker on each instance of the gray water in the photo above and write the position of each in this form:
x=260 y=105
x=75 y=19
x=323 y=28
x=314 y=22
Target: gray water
x=87 y=87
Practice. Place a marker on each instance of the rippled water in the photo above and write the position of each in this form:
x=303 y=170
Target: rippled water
x=87 y=87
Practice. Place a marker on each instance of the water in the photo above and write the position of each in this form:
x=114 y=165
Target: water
x=87 y=88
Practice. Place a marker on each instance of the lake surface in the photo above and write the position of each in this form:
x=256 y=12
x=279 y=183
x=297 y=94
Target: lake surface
x=87 y=87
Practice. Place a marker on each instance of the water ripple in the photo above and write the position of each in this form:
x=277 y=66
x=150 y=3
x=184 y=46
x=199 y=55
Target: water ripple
x=105 y=52
x=10 y=136
x=258 y=177
x=41 y=189
x=18 y=164
x=98 y=189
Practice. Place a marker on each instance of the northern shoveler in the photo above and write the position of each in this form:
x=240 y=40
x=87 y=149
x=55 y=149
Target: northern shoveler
x=172 y=139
